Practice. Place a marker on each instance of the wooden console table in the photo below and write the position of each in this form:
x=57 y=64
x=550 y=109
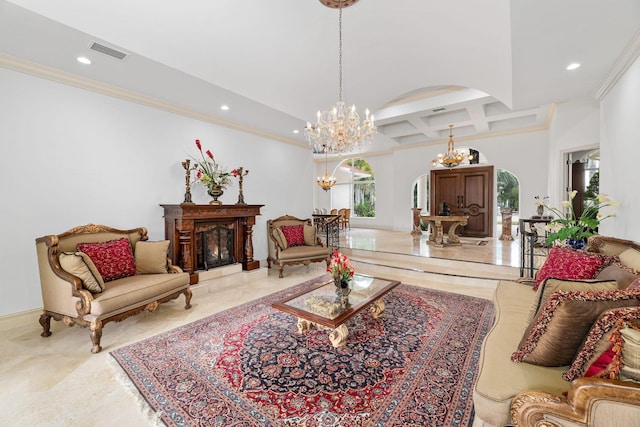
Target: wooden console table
x=180 y=222
x=435 y=229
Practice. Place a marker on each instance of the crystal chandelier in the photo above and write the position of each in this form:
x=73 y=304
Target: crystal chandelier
x=452 y=157
x=326 y=182
x=339 y=130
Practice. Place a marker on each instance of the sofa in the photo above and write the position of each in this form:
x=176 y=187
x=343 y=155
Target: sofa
x=94 y=274
x=293 y=241
x=547 y=361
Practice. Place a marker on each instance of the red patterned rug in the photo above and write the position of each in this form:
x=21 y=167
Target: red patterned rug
x=248 y=366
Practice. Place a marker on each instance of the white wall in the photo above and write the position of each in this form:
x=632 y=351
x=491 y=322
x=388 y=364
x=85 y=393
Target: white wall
x=575 y=127
x=619 y=153
x=73 y=157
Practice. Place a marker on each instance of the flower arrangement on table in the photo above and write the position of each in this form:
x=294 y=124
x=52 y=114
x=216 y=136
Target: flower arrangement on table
x=567 y=229
x=209 y=172
x=341 y=269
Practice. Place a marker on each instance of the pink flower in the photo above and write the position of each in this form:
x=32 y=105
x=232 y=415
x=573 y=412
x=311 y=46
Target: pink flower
x=209 y=154
x=198 y=145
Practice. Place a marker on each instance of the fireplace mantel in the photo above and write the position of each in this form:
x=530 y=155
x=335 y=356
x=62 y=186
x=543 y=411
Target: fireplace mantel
x=180 y=222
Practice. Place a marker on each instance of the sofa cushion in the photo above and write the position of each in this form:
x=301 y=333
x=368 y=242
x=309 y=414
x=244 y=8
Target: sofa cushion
x=294 y=234
x=309 y=235
x=121 y=294
x=550 y=285
x=280 y=239
x=79 y=264
x=554 y=337
x=630 y=258
x=302 y=252
x=113 y=259
x=151 y=257
x=499 y=379
x=616 y=272
x=597 y=340
x=566 y=263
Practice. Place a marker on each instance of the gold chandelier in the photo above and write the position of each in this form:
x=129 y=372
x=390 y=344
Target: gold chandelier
x=339 y=130
x=326 y=182
x=452 y=157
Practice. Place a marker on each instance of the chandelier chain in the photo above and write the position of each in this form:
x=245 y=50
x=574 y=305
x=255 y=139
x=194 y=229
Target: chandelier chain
x=340 y=53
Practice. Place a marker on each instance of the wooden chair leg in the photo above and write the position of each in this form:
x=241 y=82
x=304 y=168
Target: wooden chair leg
x=45 y=321
x=96 y=335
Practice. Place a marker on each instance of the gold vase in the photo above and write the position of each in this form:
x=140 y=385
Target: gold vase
x=215 y=191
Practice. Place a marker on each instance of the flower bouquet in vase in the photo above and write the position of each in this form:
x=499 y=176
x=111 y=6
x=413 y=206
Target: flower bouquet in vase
x=211 y=174
x=342 y=271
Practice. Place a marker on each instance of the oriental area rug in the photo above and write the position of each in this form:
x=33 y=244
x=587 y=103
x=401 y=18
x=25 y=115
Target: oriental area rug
x=249 y=366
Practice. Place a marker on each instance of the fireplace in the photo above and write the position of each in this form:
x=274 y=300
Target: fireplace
x=215 y=248
x=185 y=223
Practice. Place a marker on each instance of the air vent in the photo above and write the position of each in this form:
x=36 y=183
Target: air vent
x=108 y=51
x=437 y=110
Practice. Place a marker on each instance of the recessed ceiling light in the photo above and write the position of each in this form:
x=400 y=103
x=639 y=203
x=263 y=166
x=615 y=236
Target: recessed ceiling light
x=224 y=107
x=296 y=131
x=573 y=66
x=83 y=60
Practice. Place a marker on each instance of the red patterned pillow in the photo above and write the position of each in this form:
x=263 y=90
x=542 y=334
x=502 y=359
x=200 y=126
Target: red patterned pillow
x=294 y=234
x=113 y=259
x=566 y=263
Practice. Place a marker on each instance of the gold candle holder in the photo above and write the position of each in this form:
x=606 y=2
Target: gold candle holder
x=240 y=174
x=187 y=180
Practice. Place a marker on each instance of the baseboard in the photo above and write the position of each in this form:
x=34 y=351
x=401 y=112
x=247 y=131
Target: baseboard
x=9 y=321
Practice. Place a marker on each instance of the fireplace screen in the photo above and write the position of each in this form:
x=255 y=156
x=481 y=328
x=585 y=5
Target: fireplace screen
x=217 y=247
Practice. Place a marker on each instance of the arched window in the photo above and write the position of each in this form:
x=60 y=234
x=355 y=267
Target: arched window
x=355 y=188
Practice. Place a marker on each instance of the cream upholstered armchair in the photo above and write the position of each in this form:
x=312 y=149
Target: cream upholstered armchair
x=294 y=241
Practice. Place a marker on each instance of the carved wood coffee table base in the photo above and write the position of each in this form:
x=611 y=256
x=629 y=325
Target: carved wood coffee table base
x=318 y=306
x=339 y=335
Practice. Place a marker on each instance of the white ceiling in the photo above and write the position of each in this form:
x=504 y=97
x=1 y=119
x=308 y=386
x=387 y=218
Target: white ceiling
x=495 y=66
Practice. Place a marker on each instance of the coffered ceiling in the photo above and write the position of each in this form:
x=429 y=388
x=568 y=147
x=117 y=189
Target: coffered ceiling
x=489 y=67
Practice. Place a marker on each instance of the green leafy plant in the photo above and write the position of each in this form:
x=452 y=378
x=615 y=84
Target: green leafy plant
x=567 y=226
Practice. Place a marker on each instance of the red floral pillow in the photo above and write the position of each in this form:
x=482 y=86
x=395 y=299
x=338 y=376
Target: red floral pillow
x=294 y=234
x=113 y=259
x=566 y=263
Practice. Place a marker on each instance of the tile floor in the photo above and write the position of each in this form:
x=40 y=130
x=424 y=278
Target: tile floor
x=58 y=382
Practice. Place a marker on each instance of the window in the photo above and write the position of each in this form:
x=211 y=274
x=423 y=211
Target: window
x=355 y=188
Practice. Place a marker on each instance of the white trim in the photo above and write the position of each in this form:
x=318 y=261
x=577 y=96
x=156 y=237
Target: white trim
x=18 y=64
x=624 y=61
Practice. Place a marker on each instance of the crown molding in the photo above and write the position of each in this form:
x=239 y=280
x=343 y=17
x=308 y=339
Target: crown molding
x=38 y=70
x=628 y=56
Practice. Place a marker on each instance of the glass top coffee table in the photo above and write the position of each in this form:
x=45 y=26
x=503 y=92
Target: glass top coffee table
x=321 y=306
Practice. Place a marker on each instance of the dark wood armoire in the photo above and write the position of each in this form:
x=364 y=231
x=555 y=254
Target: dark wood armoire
x=467 y=191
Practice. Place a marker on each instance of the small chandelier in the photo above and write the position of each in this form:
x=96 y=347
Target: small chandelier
x=452 y=157
x=339 y=130
x=326 y=182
